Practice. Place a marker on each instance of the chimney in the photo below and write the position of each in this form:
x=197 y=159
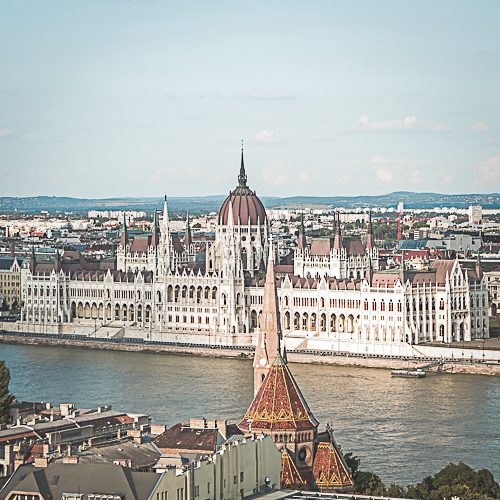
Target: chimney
x=221 y=425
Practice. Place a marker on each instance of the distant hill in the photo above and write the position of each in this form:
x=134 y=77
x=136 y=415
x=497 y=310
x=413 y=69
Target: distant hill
x=212 y=203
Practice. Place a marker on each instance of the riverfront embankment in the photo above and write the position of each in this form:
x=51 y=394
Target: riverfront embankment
x=464 y=366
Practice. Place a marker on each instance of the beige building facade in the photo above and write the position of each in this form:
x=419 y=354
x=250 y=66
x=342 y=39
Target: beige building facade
x=10 y=280
x=241 y=469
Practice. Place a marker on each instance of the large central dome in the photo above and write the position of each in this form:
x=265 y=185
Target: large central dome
x=246 y=205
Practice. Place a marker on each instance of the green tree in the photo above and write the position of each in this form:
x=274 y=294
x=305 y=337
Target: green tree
x=368 y=483
x=5 y=397
x=458 y=480
x=396 y=491
x=352 y=462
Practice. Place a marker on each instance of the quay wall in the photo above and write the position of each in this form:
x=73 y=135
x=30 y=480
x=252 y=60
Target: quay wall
x=243 y=353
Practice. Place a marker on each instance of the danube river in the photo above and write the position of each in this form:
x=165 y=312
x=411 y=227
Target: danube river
x=401 y=429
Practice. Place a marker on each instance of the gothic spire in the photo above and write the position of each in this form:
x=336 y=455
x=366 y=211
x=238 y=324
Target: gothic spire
x=33 y=260
x=242 y=178
x=402 y=272
x=188 y=239
x=301 y=239
x=124 y=233
x=479 y=267
x=165 y=212
x=155 y=229
x=337 y=244
x=369 y=235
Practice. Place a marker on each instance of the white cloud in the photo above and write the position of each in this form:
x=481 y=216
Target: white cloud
x=399 y=171
x=489 y=173
x=480 y=126
x=276 y=173
x=410 y=122
x=5 y=132
x=382 y=168
x=305 y=176
x=264 y=136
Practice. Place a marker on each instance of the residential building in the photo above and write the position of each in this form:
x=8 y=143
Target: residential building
x=10 y=280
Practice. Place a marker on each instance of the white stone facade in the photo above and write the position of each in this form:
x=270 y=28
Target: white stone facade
x=338 y=301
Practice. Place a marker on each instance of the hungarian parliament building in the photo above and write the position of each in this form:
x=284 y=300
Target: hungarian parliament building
x=332 y=292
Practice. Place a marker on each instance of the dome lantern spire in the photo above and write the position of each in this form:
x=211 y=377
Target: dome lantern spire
x=242 y=178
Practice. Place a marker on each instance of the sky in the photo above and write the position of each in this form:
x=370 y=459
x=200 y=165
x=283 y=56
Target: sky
x=108 y=98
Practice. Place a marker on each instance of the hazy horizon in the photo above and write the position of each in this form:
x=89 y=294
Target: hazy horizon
x=223 y=195
x=141 y=98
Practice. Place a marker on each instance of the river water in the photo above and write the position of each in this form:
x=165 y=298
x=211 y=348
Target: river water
x=401 y=429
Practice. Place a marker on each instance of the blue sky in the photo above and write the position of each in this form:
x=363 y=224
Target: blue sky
x=136 y=98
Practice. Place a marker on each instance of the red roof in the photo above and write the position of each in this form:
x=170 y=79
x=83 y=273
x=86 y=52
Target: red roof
x=290 y=475
x=279 y=404
x=442 y=267
x=182 y=438
x=245 y=204
x=247 y=208
x=329 y=470
x=140 y=244
x=323 y=246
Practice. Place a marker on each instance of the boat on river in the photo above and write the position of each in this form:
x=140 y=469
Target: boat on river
x=417 y=373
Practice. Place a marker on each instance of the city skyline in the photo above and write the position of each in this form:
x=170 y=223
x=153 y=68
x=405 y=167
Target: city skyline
x=138 y=98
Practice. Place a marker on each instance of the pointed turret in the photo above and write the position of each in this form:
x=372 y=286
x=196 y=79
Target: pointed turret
x=124 y=233
x=402 y=271
x=33 y=260
x=165 y=219
x=57 y=265
x=269 y=338
x=155 y=230
x=370 y=242
x=337 y=244
x=369 y=271
x=479 y=267
x=301 y=239
x=188 y=240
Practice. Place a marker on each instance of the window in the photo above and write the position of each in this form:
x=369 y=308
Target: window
x=241 y=477
x=197 y=491
x=235 y=479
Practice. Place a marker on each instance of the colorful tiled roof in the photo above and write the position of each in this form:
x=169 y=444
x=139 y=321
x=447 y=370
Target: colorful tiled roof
x=279 y=403
x=330 y=471
x=290 y=475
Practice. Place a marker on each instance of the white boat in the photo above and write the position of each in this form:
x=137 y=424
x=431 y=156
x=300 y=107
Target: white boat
x=417 y=373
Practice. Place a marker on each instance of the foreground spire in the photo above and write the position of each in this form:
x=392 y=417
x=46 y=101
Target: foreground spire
x=269 y=338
